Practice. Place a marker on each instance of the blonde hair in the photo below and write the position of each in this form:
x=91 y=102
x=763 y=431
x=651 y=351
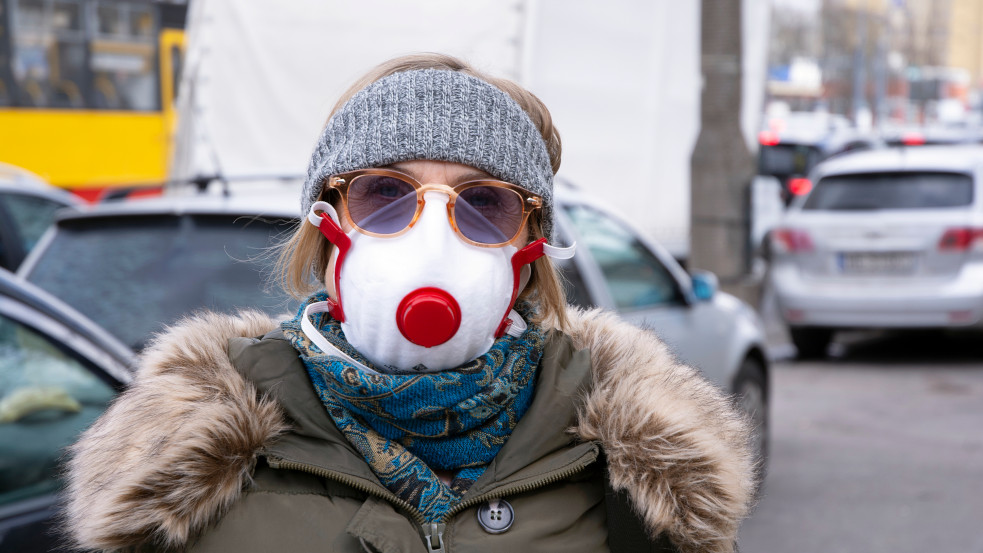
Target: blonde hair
x=303 y=258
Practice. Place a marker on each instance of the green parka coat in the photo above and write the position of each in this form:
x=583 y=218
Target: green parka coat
x=222 y=445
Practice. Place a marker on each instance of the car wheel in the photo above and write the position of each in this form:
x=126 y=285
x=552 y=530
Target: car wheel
x=751 y=395
x=811 y=342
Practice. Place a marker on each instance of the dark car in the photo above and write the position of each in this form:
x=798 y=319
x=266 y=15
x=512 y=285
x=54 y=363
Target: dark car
x=794 y=147
x=134 y=267
x=27 y=208
x=58 y=373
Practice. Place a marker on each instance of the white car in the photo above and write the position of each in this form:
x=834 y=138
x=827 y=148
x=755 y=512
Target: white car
x=187 y=252
x=886 y=239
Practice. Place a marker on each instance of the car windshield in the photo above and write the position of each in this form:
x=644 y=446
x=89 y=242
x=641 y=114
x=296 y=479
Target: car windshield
x=134 y=275
x=908 y=190
x=783 y=160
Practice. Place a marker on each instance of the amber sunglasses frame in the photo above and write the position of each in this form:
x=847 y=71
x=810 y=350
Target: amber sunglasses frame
x=340 y=182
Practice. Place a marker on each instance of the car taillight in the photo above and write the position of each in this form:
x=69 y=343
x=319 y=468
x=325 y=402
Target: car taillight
x=791 y=240
x=962 y=239
x=913 y=139
x=799 y=186
x=768 y=138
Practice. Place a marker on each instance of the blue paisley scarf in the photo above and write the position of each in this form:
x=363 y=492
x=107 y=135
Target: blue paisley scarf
x=404 y=424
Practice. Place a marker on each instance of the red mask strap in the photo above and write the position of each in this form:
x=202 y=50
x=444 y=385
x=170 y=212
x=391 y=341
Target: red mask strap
x=520 y=259
x=336 y=236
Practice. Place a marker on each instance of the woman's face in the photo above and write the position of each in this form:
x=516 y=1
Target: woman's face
x=426 y=172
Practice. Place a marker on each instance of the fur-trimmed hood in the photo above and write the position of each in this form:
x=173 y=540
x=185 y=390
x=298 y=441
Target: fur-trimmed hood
x=680 y=449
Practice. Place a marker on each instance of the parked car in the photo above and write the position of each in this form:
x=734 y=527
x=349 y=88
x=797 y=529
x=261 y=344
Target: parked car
x=933 y=135
x=58 y=372
x=27 y=208
x=887 y=239
x=137 y=266
x=618 y=268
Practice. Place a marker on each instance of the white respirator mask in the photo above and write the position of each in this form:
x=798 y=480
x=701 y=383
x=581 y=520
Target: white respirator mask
x=424 y=297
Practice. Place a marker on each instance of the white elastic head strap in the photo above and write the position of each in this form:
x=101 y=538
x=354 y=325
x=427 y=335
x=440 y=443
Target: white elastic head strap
x=315 y=219
x=320 y=341
x=557 y=252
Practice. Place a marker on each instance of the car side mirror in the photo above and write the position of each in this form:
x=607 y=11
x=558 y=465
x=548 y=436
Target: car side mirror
x=705 y=285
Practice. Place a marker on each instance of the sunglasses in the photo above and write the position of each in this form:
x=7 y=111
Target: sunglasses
x=386 y=203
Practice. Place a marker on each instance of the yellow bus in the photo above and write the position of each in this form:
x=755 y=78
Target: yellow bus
x=87 y=90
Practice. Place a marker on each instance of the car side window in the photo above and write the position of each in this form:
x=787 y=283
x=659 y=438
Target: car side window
x=47 y=398
x=635 y=278
x=31 y=215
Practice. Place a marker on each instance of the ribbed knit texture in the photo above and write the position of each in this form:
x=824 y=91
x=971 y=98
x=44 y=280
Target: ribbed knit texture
x=439 y=115
x=406 y=425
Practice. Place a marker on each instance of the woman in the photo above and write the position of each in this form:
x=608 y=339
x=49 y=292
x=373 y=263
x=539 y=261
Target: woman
x=436 y=394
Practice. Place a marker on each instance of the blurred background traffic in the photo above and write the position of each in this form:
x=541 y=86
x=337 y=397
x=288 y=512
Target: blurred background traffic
x=787 y=191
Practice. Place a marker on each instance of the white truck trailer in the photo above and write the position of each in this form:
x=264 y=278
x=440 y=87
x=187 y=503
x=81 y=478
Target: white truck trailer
x=621 y=78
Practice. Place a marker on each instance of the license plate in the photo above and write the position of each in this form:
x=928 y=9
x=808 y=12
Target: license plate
x=877 y=263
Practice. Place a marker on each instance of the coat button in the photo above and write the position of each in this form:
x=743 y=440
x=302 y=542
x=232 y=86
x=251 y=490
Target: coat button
x=496 y=516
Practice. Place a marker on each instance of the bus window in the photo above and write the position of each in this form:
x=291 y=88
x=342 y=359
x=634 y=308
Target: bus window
x=142 y=23
x=83 y=54
x=68 y=82
x=110 y=22
x=6 y=77
x=29 y=63
x=123 y=57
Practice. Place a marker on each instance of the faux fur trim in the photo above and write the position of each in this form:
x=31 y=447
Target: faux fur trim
x=671 y=439
x=135 y=479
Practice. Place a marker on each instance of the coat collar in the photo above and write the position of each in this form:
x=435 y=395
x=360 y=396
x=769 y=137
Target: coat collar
x=671 y=439
x=541 y=437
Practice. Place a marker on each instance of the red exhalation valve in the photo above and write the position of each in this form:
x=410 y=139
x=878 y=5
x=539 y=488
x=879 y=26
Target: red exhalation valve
x=428 y=317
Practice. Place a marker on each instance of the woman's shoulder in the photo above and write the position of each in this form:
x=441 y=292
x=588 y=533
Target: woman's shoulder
x=649 y=410
x=176 y=446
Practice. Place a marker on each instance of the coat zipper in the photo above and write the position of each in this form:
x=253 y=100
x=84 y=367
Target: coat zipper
x=580 y=464
x=278 y=463
x=433 y=532
x=433 y=536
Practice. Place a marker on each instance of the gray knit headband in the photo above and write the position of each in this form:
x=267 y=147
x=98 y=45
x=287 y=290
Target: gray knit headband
x=434 y=115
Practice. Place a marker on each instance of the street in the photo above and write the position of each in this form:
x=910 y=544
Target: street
x=877 y=449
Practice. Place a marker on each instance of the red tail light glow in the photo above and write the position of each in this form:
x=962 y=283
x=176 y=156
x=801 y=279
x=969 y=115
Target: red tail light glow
x=961 y=239
x=913 y=139
x=768 y=138
x=791 y=240
x=799 y=186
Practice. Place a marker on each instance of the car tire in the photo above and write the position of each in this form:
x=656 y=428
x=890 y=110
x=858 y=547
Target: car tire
x=811 y=343
x=751 y=394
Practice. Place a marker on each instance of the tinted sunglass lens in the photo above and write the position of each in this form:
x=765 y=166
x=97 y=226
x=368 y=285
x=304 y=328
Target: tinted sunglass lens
x=381 y=204
x=488 y=214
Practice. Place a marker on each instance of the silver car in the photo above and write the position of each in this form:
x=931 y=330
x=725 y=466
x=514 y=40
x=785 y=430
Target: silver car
x=618 y=268
x=886 y=239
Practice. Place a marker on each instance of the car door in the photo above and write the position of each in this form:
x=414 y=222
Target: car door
x=53 y=384
x=624 y=273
